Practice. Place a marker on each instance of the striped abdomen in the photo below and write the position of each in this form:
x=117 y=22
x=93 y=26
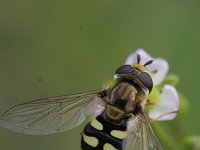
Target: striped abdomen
x=102 y=134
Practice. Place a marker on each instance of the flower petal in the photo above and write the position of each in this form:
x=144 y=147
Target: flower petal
x=169 y=102
x=158 y=69
x=132 y=59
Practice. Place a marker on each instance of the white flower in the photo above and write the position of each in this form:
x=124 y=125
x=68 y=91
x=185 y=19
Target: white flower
x=158 y=69
x=167 y=103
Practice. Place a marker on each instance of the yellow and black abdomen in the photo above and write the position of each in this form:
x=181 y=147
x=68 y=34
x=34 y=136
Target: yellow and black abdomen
x=102 y=134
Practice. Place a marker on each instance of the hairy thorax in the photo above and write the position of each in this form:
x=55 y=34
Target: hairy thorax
x=124 y=99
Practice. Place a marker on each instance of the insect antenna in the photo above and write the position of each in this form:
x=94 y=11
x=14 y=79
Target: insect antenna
x=148 y=63
x=138 y=58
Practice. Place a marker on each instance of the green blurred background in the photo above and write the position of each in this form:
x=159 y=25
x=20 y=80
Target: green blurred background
x=50 y=48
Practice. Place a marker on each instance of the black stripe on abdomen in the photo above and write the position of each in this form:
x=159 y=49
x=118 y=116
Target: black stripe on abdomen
x=103 y=136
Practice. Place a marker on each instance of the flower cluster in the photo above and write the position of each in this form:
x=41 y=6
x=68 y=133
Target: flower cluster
x=165 y=98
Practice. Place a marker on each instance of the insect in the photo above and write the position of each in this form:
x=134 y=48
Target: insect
x=120 y=121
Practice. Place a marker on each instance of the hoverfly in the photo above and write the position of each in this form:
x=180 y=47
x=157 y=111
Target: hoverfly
x=120 y=121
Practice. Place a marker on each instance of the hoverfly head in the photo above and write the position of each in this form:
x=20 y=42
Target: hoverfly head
x=137 y=73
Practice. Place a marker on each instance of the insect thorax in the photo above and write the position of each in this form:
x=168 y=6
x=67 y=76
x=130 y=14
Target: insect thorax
x=124 y=99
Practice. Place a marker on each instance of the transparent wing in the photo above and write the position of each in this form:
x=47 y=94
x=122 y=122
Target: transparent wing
x=51 y=115
x=141 y=135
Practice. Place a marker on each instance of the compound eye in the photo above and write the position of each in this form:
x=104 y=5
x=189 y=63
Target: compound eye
x=146 y=80
x=125 y=69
